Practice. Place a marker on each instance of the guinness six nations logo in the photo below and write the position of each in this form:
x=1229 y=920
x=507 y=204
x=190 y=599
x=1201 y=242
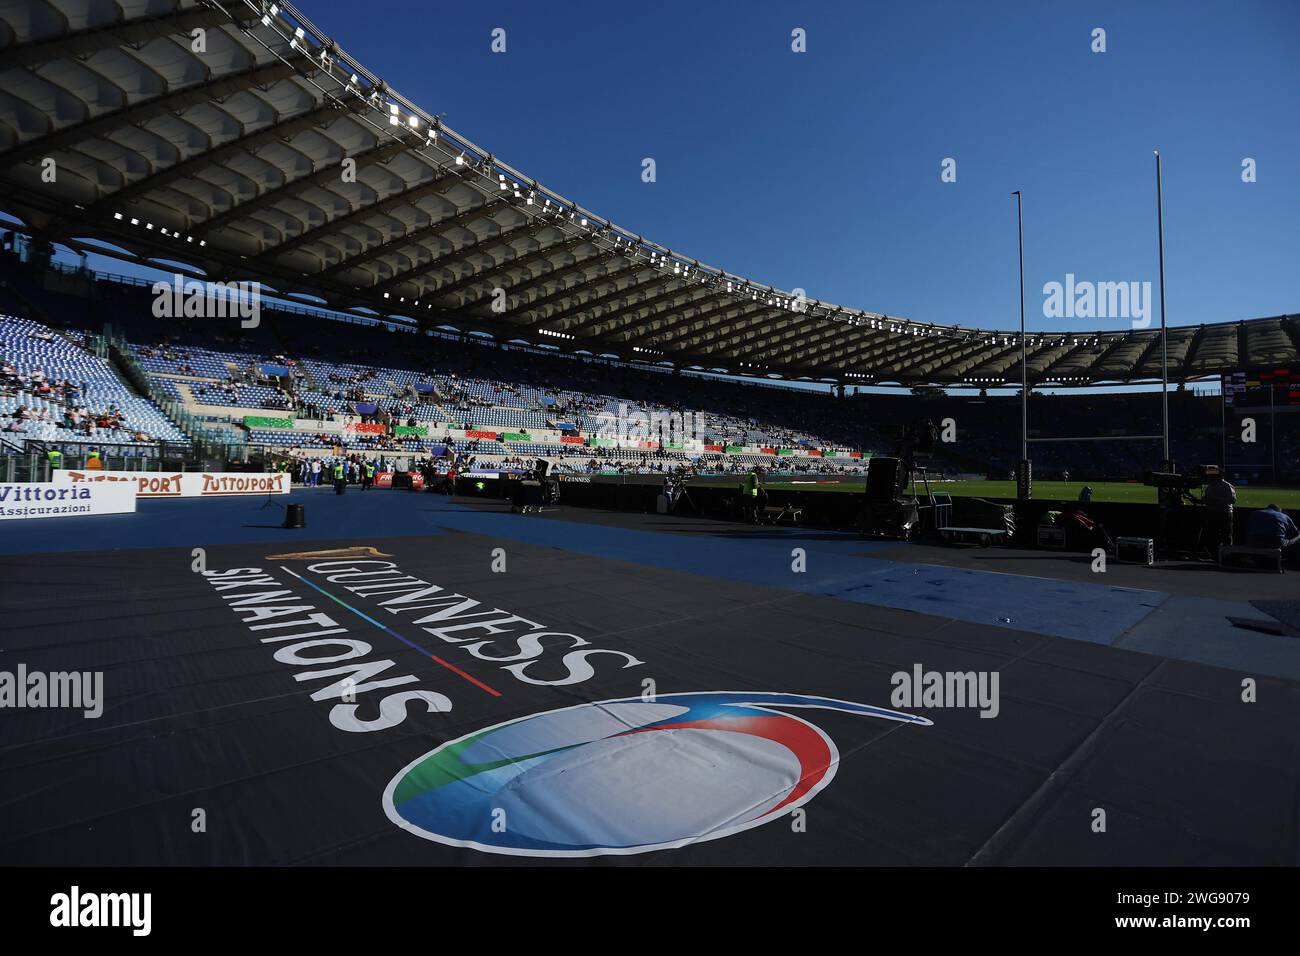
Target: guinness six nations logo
x=623 y=776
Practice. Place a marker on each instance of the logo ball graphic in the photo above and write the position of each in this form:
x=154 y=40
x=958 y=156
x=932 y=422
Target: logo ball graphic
x=623 y=776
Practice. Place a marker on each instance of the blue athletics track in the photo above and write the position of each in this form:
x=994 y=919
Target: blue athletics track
x=413 y=679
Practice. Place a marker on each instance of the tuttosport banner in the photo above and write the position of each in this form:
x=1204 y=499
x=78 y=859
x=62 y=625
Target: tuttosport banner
x=180 y=484
x=49 y=499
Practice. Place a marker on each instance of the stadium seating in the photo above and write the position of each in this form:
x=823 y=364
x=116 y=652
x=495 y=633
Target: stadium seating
x=340 y=369
x=93 y=392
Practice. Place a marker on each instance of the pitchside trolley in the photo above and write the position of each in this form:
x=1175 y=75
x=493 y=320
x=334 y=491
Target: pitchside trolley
x=984 y=537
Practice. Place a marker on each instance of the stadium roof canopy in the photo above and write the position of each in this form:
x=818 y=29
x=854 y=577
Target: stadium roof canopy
x=234 y=136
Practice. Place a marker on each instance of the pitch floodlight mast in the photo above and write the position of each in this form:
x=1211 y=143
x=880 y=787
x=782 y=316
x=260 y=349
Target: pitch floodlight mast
x=1166 y=464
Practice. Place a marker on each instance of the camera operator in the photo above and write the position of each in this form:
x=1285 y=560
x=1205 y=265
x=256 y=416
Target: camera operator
x=672 y=483
x=550 y=486
x=1219 y=498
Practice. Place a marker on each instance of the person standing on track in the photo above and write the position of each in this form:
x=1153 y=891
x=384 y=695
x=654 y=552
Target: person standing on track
x=1219 y=498
x=750 y=494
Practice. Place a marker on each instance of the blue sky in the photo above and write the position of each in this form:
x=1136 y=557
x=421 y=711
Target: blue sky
x=821 y=170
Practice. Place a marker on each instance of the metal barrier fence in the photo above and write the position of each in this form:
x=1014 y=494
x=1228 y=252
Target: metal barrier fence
x=32 y=463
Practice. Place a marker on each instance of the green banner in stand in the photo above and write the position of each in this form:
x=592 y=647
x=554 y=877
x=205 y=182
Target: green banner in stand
x=675 y=444
x=261 y=421
x=420 y=430
x=734 y=449
x=785 y=451
x=516 y=436
x=600 y=441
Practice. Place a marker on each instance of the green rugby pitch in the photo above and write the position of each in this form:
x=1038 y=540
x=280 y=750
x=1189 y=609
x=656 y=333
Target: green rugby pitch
x=1121 y=491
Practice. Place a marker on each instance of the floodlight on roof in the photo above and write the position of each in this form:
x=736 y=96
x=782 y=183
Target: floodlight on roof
x=460 y=160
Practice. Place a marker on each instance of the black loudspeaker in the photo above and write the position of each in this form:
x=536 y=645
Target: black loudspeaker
x=882 y=479
x=295 y=516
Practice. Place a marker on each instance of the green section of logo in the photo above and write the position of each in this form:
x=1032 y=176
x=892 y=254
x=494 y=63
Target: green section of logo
x=445 y=766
